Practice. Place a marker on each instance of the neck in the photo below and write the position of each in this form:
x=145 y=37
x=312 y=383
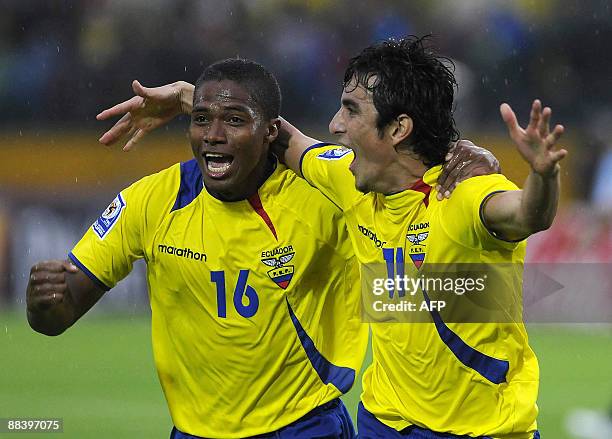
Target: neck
x=402 y=174
x=251 y=185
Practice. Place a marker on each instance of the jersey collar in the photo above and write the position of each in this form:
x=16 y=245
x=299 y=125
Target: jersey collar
x=417 y=193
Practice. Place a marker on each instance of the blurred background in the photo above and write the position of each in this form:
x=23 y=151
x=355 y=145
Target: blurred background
x=61 y=62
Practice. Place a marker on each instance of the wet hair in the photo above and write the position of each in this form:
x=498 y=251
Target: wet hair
x=407 y=78
x=261 y=85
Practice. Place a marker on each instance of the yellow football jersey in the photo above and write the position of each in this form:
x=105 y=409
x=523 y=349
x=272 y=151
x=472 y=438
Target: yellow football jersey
x=254 y=303
x=463 y=378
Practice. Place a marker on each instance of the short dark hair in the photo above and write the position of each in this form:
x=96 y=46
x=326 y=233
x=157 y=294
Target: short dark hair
x=405 y=77
x=258 y=81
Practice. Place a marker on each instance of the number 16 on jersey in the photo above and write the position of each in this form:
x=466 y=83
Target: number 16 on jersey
x=240 y=290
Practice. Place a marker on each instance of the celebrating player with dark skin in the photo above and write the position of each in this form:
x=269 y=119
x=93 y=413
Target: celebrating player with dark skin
x=186 y=222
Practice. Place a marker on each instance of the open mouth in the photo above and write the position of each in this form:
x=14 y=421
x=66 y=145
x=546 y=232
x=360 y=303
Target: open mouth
x=218 y=165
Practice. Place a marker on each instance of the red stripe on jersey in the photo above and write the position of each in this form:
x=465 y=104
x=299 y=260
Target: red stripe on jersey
x=255 y=203
x=421 y=186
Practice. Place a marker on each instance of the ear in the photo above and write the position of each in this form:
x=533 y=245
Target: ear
x=273 y=130
x=400 y=129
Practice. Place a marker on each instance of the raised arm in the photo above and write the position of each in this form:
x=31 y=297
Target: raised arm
x=58 y=294
x=515 y=215
x=148 y=110
x=154 y=107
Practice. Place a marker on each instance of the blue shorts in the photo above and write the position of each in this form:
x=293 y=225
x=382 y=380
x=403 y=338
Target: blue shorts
x=371 y=428
x=331 y=420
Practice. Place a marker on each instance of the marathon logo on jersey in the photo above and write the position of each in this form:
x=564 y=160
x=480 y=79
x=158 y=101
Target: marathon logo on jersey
x=280 y=273
x=371 y=235
x=181 y=252
x=334 y=154
x=417 y=235
x=109 y=217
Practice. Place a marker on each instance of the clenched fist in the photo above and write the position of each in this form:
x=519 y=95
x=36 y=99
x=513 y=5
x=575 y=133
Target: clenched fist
x=47 y=286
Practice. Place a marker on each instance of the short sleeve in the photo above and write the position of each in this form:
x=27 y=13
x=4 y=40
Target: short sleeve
x=326 y=167
x=466 y=211
x=107 y=251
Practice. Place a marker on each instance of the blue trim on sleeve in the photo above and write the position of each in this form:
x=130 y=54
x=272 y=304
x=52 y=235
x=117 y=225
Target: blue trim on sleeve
x=191 y=184
x=89 y=274
x=493 y=369
x=316 y=145
x=341 y=377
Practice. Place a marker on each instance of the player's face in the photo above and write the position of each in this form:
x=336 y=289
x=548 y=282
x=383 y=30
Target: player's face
x=355 y=126
x=229 y=138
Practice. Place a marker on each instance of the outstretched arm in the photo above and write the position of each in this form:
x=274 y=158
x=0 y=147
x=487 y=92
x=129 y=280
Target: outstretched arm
x=514 y=215
x=148 y=110
x=154 y=107
x=58 y=294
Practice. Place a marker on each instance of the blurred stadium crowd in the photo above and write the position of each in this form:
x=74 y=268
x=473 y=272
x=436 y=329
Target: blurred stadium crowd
x=63 y=61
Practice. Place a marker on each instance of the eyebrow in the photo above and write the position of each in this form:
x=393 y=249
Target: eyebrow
x=234 y=107
x=348 y=102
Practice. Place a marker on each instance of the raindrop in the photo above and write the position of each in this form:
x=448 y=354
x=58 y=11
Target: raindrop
x=58 y=49
x=20 y=133
x=506 y=82
x=6 y=329
x=185 y=68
